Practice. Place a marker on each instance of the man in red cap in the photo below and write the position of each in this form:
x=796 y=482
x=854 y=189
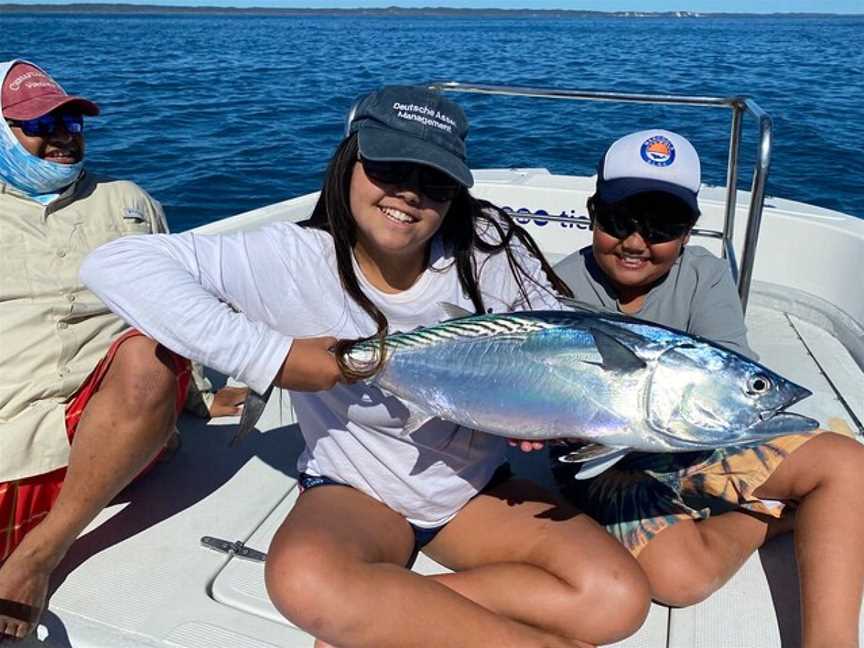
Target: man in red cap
x=48 y=126
x=86 y=403
x=29 y=93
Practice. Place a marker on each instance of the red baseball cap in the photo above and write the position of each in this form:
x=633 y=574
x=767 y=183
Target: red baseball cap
x=28 y=92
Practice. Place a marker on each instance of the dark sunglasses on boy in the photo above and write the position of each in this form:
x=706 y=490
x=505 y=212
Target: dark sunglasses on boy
x=432 y=183
x=654 y=229
x=47 y=124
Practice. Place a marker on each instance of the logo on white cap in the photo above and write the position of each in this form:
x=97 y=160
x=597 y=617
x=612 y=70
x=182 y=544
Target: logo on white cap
x=658 y=151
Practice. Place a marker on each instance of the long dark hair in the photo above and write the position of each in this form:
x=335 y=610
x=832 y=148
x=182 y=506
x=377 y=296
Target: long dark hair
x=470 y=225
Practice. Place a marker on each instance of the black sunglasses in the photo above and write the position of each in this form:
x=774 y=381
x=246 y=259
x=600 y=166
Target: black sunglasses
x=654 y=229
x=432 y=183
x=656 y=220
x=47 y=124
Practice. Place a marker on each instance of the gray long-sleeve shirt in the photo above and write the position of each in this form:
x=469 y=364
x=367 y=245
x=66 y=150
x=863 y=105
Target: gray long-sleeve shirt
x=697 y=296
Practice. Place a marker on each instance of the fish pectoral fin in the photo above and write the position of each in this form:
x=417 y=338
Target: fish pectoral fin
x=594 y=467
x=417 y=418
x=556 y=348
x=589 y=451
x=453 y=311
x=616 y=356
x=594 y=458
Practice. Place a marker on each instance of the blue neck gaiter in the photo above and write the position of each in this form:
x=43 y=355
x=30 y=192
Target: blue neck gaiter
x=32 y=176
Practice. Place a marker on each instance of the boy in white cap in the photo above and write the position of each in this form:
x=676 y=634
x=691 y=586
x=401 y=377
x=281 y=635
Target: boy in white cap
x=692 y=519
x=639 y=263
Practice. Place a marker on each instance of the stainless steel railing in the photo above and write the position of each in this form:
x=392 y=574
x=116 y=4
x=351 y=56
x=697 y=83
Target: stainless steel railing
x=739 y=106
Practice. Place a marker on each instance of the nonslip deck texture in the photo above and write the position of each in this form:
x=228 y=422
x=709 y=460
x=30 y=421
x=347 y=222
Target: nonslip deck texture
x=138 y=577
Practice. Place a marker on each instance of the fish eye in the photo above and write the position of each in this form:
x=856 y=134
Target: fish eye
x=758 y=384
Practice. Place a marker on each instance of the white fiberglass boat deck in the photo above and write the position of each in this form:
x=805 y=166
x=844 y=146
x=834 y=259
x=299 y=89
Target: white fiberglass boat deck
x=139 y=575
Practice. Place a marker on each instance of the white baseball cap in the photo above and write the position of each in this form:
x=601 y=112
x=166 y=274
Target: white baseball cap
x=650 y=160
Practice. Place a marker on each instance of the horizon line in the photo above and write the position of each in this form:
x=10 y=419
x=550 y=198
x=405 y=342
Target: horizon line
x=399 y=9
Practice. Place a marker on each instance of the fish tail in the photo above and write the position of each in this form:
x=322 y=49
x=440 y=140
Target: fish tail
x=354 y=369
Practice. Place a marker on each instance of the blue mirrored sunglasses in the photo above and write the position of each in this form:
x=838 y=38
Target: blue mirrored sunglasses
x=47 y=124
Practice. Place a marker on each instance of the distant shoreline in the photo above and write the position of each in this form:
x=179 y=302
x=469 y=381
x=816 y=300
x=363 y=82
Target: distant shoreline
x=118 y=8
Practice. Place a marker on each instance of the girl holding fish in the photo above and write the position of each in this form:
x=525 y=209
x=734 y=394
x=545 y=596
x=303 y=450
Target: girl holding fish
x=394 y=234
x=692 y=519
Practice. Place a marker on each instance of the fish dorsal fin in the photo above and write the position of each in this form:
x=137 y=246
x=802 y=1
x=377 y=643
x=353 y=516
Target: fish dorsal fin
x=616 y=356
x=581 y=307
x=453 y=311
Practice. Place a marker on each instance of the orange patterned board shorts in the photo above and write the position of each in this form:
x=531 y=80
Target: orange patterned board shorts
x=645 y=493
x=24 y=502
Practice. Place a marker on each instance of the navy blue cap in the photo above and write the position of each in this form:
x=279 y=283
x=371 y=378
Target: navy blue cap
x=413 y=124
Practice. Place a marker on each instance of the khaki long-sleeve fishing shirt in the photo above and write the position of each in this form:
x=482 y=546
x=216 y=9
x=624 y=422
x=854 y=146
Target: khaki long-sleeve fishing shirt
x=53 y=331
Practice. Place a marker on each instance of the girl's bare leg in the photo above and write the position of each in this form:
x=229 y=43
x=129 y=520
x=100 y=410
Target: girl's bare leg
x=518 y=551
x=335 y=569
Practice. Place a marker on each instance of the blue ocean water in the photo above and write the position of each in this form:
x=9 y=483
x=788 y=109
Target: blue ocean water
x=218 y=114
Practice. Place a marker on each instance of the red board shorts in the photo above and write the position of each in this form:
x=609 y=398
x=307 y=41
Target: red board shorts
x=24 y=502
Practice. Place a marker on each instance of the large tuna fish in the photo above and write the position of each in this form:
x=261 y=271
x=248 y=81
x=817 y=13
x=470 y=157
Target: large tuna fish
x=618 y=383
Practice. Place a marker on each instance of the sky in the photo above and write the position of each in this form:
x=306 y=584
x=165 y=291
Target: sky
x=725 y=6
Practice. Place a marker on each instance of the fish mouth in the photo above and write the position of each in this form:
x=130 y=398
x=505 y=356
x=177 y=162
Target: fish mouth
x=778 y=422
x=796 y=394
x=793 y=394
x=782 y=423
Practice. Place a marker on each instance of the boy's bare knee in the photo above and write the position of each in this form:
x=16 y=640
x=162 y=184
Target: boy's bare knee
x=687 y=583
x=681 y=566
x=684 y=590
x=829 y=458
x=846 y=455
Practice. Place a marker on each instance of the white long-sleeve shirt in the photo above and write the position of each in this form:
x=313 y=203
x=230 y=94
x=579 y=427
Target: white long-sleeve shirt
x=235 y=302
